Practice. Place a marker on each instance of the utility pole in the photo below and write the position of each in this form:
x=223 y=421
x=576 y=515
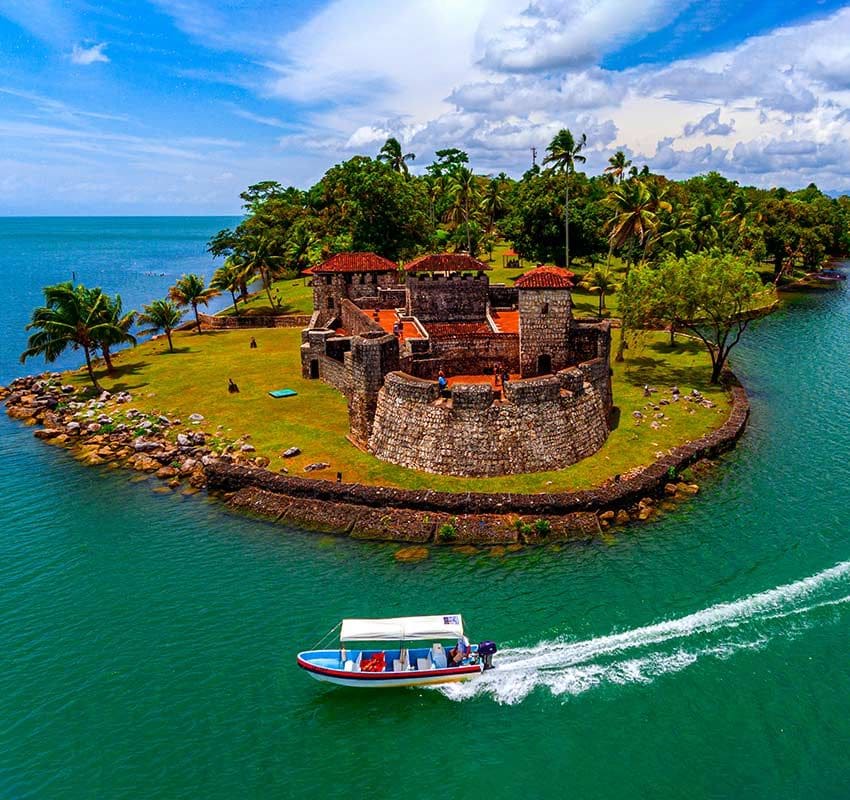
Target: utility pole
x=533 y=156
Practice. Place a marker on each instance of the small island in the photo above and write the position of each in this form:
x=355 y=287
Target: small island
x=461 y=381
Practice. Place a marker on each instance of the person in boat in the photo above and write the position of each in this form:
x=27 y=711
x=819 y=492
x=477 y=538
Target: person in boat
x=460 y=651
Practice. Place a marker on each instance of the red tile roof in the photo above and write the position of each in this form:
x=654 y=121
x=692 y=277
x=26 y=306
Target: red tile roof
x=445 y=262
x=440 y=330
x=545 y=278
x=355 y=262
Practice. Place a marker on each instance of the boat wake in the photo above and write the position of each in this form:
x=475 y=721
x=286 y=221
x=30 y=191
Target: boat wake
x=640 y=655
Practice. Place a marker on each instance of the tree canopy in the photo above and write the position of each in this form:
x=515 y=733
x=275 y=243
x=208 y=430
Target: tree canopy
x=714 y=296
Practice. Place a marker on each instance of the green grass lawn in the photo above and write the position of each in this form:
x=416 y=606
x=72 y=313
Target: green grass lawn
x=296 y=297
x=194 y=380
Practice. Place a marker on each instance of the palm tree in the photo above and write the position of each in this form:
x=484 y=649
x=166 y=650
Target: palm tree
x=673 y=232
x=564 y=151
x=391 y=153
x=300 y=247
x=738 y=213
x=161 y=315
x=259 y=254
x=493 y=202
x=634 y=220
x=634 y=208
x=191 y=290
x=228 y=278
x=119 y=331
x=72 y=316
x=600 y=280
x=462 y=186
x=618 y=164
x=705 y=223
x=435 y=186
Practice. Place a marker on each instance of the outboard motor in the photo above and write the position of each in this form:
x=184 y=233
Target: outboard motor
x=485 y=652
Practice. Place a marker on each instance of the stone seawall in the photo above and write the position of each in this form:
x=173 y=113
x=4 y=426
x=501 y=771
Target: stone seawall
x=349 y=501
x=540 y=427
x=253 y=321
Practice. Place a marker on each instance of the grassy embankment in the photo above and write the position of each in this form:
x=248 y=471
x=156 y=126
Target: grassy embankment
x=194 y=380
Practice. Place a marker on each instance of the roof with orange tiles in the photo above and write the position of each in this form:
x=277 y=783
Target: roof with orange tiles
x=441 y=330
x=355 y=262
x=446 y=262
x=546 y=278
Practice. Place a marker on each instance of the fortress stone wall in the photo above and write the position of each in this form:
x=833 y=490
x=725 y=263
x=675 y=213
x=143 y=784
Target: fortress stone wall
x=546 y=423
x=467 y=354
x=456 y=298
x=330 y=290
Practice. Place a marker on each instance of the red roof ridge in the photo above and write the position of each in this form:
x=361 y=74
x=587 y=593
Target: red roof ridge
x=355 y=262
x=446 y=262
x=546 y=277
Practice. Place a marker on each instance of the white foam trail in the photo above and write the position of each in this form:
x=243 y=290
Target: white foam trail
x=570 y=668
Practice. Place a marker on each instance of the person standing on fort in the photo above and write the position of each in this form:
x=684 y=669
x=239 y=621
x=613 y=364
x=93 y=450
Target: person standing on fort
x=442 y=383
x=505 y=378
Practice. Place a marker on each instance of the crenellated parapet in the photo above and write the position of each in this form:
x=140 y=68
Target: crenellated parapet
x=539 y=424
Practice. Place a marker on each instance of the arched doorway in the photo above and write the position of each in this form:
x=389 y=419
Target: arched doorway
x=314 y=368
x=544 y=364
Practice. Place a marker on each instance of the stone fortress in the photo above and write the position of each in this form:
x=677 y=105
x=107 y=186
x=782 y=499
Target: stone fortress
x=383 y=342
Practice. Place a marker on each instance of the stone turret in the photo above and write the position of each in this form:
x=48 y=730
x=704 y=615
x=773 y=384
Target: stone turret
x=372 y=357
x=348 y=276
x=545 y=317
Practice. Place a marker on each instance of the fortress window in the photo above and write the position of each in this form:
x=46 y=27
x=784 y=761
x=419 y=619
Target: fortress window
x=330 y=302
x=544 y=309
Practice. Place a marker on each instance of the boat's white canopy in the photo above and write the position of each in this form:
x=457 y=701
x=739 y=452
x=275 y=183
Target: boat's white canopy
x=446 y=626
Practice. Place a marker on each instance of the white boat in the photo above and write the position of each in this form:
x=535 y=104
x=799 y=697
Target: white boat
x=416 y=654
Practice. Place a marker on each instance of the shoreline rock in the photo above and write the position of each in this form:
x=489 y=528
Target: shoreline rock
x=105 y=431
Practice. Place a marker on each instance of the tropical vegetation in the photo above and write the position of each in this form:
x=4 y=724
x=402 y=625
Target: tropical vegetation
x=160 y=316
x=192 y=290
x=554 y=213
x=81 y=319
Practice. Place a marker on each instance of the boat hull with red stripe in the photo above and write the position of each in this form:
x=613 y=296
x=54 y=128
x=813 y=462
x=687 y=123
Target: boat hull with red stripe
x=328 y=667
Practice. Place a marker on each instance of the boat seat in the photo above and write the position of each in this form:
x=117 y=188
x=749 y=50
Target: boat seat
x=438 y=656
x=397 y=666
x=356 y=666
x=423 y=663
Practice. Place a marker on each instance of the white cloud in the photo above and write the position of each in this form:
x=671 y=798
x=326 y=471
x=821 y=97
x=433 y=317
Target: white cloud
x=259 y=119
x=48 y=20
x=89 y=55
x=710 y=125
x=551 y=34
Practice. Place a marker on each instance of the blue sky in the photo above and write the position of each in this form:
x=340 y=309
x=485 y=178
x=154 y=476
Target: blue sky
x=174 y=106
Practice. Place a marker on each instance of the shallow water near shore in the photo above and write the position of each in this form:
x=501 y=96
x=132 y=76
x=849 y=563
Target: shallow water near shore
x=150 y=639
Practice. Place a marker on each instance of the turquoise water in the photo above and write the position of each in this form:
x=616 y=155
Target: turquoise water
x=148 y=641
x=138 y=257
